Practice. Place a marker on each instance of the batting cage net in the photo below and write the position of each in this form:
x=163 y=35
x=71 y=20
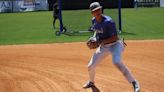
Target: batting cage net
x=74 y=17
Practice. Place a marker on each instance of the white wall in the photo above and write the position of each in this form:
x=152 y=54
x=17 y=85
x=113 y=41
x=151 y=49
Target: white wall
x=5 y=6
x=161 y=3
x=21 y=5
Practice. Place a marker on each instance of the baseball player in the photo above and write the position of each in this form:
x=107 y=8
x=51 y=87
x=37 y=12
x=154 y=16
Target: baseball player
x=107 y=38
x=55 y=11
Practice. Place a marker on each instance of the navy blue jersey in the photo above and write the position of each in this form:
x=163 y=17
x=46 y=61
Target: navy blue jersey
x=104 y=29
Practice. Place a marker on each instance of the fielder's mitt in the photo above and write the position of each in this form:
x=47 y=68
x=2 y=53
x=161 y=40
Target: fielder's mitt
x=92 y=43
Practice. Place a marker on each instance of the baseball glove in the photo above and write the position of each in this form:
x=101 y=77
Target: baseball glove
x=92 y=43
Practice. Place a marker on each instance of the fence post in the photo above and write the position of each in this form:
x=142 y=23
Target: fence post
x=119 y=16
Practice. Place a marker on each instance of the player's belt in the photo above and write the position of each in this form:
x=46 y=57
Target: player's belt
x=110 y=42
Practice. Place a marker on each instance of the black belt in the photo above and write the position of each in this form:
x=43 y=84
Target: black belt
x=110 y=42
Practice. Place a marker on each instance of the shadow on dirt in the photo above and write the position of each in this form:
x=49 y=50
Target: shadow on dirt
x=95 y=89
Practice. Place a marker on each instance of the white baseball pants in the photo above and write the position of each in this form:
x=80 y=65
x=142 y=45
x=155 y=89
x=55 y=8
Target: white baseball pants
x=115 y=49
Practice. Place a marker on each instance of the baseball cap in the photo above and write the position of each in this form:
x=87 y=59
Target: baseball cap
x=95 y=6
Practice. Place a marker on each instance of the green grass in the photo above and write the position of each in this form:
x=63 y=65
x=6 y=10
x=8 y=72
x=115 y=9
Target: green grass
x=31 y=27
x=81 y=19
x=143 y=23
x=36 y=27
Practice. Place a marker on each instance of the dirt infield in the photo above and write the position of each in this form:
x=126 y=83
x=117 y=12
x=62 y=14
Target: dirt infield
x=63 y=68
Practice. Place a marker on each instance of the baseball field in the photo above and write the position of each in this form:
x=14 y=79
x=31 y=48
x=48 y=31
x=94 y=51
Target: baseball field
x=33 y=59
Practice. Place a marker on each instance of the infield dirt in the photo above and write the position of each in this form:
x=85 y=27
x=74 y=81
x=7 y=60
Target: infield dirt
x=62 y=67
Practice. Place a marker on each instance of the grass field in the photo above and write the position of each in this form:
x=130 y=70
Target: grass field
x=143 y=23
x=36 y=27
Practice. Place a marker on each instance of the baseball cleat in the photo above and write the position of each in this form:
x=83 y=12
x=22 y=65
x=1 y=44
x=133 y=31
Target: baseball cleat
x=88 y=85
x=136 y=86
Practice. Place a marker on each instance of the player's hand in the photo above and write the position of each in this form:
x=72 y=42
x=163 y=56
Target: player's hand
x=92 y=43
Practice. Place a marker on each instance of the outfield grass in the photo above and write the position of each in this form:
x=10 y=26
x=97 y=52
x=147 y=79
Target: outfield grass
x=143 y=23
x=36 y=27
